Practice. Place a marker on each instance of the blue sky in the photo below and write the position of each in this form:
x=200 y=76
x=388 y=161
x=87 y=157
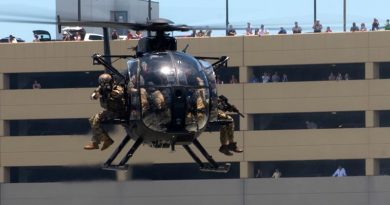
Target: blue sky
x=272 y=13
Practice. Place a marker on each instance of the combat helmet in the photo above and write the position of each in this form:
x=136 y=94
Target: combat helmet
x=105 y=78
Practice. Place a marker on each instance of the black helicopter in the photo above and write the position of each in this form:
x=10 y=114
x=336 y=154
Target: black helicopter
x=157 y=68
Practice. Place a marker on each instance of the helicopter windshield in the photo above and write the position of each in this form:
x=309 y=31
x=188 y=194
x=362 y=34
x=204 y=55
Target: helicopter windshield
x=173 y=92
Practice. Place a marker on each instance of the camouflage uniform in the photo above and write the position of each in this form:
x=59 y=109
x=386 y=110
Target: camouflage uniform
x=198 y=117
x=227 y=134
x=114 y=107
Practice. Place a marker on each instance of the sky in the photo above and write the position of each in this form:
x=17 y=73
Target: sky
x=271 y=13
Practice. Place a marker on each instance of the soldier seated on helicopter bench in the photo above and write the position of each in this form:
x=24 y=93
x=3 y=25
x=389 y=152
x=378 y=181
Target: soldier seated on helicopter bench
x=227 y=127
x=112 y=101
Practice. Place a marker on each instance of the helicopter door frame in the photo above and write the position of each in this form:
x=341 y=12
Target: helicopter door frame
x=135 y=104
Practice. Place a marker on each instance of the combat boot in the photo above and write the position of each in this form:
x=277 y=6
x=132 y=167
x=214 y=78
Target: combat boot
x=225 y=150
x=91 y=146
x=233 y=147
x=106 y=143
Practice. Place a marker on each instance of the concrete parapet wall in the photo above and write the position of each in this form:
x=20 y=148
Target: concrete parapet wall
x=291 y=191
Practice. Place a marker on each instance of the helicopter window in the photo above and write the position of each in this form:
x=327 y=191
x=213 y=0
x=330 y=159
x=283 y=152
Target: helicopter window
x=189 y=70
x=155 y=69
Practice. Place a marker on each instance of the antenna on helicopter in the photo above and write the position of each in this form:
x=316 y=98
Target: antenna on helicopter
x=185 y=48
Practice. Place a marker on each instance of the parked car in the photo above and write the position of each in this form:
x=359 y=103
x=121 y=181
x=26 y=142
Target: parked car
x=42 y=35
x=93 y=37
x=6 y=40
x=71 y=32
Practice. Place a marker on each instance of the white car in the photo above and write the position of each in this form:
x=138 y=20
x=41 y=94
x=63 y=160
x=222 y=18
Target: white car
x=93 y=37
x=71 y=31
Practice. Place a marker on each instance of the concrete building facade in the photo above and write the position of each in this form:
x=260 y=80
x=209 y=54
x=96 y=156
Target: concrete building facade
x=359 y=140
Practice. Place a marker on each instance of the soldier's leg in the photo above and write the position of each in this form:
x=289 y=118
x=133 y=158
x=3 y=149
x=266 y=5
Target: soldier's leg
x=230 y=135
x=144 y=100
x=223 y=135
x=98 y=133
x=94 y=121
x=230 y=129
x=158 y=99
x=104 y=137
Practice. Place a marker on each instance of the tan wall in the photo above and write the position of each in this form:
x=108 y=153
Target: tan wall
x=357 y=95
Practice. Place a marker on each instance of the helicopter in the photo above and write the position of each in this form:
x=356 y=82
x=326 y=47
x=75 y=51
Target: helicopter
x=158 y=68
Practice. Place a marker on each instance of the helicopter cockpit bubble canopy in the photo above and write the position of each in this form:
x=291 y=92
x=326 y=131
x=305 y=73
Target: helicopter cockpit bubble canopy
x=170 y=92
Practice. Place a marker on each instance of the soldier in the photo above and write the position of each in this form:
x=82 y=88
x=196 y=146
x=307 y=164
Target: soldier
x=227 y=128
x=111 y=99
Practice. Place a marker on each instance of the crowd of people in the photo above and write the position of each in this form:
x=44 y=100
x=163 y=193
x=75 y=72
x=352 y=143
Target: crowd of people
x=339 y=172
x=268 y=78
x=249 y=31
x=317 y=28
x=339 y=76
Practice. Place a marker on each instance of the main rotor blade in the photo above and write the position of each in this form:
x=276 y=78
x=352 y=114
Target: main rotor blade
x=8 y=20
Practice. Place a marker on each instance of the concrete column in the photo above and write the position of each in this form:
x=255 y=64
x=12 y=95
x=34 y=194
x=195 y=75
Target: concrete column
x=4 y=175
x=1 y=81
x=244 y=74
x=124 y=175
x=248 y=122
x=246 y=170
x=371 y=70
x=4 y=128
x=4 y=81
x=372 y=118
x=372 y=167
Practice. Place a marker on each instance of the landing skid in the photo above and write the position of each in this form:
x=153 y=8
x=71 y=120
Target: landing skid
x=212 y=165
x=122 y=164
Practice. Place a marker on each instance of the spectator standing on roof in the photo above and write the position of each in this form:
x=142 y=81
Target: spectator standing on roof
x=77 y=36
x=387 y=26
x=248 y=30
x=231 y=31
x=65 y=36
x=36 y=38
x=363 y=27
x=12 y=39
x=263 y=31
x=282 y=31
x=137 y=35
x=375 y=25
x=317 y=27
x=296 y=28
x=114 y=35
x=354 y=27
x=129 y=35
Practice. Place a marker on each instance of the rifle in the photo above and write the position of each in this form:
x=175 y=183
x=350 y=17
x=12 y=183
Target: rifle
x=226 y=106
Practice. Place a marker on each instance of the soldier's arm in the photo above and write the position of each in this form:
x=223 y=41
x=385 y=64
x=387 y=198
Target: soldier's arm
x=117 y=92
x=96 y=93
